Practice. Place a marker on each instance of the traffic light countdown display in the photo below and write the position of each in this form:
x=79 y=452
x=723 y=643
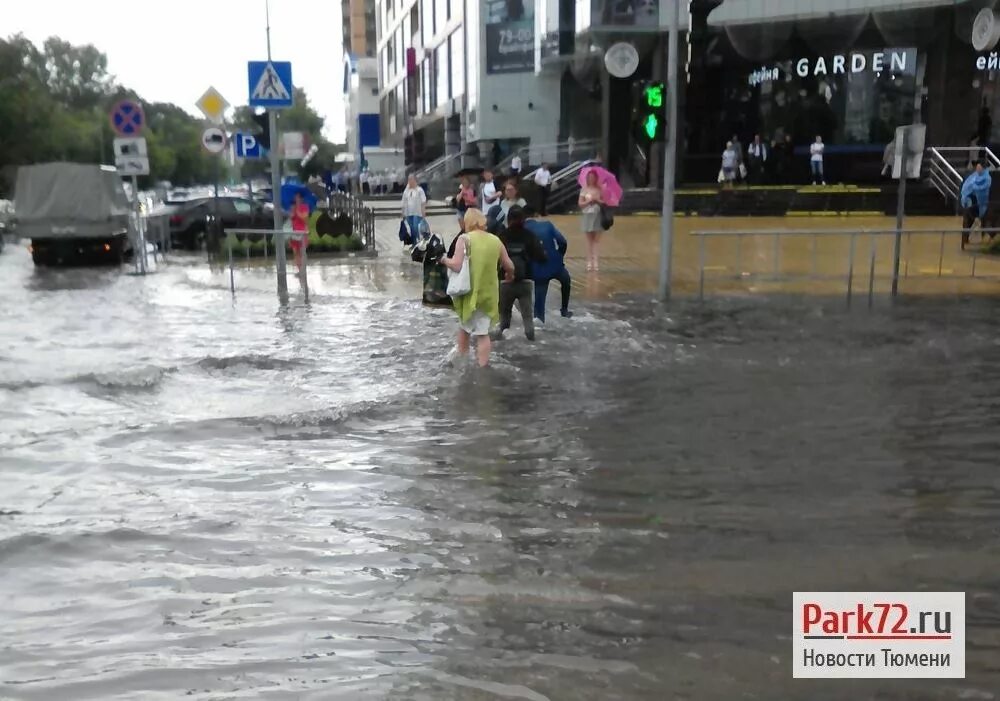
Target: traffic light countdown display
x=650 y=117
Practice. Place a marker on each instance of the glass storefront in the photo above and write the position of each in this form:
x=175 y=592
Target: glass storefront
x=850 y=76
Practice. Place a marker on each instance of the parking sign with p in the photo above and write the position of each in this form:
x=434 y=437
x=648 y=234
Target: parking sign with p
x=248 y=146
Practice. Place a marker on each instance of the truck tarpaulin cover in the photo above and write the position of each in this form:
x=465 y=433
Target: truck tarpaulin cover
x=69 y=192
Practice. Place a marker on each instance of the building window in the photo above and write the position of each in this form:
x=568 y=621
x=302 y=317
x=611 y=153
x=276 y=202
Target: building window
x=425 y=91
x=441 y=10
x=430 y=21
x=415 y=20
x=400 y=57
x=457 y=63
x=443 y=72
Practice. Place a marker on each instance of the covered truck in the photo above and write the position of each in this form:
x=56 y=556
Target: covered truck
x=74 y=214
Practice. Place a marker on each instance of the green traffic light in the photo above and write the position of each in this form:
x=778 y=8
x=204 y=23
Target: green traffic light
x=650 y=125
x=654 y=96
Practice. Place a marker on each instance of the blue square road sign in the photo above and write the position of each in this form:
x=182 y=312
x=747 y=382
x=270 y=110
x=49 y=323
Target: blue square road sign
x=247 y=146
x=270 y=83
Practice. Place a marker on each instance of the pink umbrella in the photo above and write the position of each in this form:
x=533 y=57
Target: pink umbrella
x=607 y=181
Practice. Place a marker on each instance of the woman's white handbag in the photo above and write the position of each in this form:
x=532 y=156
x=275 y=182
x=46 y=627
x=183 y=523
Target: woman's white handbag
x=460 y=283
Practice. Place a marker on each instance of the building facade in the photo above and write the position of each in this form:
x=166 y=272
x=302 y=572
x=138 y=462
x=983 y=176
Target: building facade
x=360 y=77
x=483 y=77
x=850 y=72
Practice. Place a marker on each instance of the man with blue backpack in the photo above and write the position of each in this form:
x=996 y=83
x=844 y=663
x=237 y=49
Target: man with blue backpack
x=553 y=268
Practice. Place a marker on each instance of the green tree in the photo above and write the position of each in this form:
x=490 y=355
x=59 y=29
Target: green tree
x=54 y=104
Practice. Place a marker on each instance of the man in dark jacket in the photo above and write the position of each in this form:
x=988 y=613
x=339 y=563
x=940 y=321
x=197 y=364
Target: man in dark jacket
x=524 y=249
x=554 y=244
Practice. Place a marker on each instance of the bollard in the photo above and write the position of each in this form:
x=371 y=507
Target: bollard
x=941 y=255
x=850 y=271
x=871 y=276
x=701 y=267
x=265 y=249
x=232 y=276
x=909 y=248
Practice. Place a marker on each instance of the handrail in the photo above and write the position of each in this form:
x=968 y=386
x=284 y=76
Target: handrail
x=526 y=151
x=827 y=232
x=436 y=165
x=942 y=161
x=848 y=274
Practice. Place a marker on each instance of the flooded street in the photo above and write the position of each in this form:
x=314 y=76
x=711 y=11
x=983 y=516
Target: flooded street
x=211 y=497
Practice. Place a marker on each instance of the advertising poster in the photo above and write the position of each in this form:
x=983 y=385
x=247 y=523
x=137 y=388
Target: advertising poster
x=510 y=36
x=635 y=14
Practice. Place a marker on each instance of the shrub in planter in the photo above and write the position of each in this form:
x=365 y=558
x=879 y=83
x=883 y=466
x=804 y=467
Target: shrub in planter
x=231 y=241
x=257 y=247
x=328 y=243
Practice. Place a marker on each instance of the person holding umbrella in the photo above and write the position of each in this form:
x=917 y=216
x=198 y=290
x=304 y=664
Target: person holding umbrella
x=599 y=189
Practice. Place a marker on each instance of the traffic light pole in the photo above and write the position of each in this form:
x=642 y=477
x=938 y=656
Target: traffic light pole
x=670 y=157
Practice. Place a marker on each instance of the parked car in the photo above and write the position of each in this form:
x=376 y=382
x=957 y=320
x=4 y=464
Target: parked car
x=190 y=220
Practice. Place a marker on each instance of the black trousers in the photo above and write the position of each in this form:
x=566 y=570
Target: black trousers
x=542 y=291
x=520 y=292
x=543 y=200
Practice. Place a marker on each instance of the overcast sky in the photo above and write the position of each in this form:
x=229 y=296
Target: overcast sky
x=173 y=50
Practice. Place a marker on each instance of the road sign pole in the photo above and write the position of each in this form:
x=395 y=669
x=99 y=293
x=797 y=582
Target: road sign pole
x=216 y=229
x=279 y=253
x=141 y=261
x=670 y=158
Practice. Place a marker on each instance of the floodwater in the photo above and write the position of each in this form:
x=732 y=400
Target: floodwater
x=211 y=497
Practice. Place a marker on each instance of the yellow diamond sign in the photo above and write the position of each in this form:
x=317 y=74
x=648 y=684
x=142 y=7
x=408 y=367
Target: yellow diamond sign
x=213 y=105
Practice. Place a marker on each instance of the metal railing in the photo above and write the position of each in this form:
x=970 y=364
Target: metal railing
x=362 y=216
x=778 y=257
x=948 y=165
x=564 y=184
x=556 y=152
x=437 y=168
x=274 y=241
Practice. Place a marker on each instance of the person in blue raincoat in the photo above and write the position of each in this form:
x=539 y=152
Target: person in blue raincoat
x=975 y=199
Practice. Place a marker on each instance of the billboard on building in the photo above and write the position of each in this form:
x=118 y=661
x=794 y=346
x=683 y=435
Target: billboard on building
x=510 y=36
x=634 y=14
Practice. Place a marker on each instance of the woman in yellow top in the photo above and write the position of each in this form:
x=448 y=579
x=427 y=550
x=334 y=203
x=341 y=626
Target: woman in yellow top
x=480 y=308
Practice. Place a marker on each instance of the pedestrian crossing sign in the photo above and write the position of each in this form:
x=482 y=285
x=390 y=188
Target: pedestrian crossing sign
x=270 y=83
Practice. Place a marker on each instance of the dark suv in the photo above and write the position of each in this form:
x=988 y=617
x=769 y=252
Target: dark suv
x=190 y=220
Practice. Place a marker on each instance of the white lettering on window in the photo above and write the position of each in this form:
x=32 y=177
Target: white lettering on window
x=878 y=62
x=858 y=63
x=898 y=62
x=981 y=63
x=838 y=64
x=802 y=67
x=820 y=66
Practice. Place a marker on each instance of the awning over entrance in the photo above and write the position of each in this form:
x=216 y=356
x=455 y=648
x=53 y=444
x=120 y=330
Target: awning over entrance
x=740 y=12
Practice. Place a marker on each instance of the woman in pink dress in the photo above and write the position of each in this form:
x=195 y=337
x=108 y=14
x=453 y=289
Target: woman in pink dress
x=300 y=228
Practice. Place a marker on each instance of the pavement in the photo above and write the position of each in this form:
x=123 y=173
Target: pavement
x=931 y=260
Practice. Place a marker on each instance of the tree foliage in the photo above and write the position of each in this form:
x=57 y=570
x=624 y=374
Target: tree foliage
x=54 y=104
